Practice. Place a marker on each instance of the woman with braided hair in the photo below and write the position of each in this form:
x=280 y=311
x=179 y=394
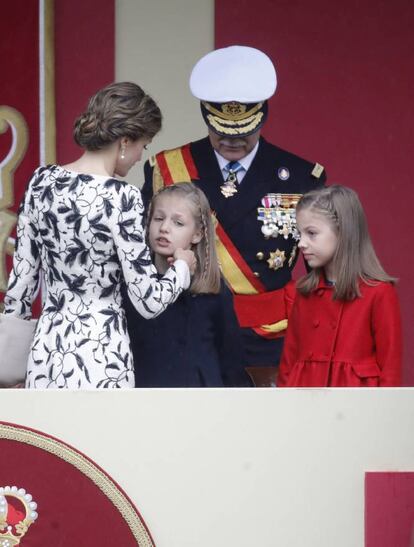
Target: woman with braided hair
x=195 y=342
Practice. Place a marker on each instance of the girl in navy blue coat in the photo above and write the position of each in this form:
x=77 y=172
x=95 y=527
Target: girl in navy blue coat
x=196 y=341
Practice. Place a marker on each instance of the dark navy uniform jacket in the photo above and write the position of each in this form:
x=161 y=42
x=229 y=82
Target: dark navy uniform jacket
x=195 y=342
x=238 y=216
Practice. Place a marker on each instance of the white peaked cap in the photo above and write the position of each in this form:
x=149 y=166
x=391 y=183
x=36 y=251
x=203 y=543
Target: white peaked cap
x=236 y=73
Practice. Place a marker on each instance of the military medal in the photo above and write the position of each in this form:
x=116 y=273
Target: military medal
x=229 y=187
x=278 y=215
x=276 y=259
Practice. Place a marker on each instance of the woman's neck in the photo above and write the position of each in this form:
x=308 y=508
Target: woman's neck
x=99 y=162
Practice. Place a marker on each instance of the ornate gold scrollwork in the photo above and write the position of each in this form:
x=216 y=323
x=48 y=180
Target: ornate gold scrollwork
x=9 y=118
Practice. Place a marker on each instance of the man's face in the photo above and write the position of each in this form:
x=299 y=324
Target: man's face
x=233 y=148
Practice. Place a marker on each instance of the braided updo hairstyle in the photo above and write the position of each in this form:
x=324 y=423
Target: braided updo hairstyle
x=206 y=278
x=118 y=110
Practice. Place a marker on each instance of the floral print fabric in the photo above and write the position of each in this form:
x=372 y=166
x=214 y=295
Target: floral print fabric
x=80 y=236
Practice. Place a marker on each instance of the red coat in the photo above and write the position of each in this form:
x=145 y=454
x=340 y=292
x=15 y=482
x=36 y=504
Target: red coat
x=343 y=344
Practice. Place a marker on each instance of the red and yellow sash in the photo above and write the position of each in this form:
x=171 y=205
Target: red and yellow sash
x=263 y=311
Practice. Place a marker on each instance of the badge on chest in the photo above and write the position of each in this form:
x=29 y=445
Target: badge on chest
x=278 y=214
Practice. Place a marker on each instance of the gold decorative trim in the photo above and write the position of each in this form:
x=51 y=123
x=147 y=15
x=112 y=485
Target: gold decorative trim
x=11 y=118
x=241 y=130
x=234 y=109
x=231 y=123
x=228 y=116
x=49 y=60
x=8 y=537
x=100 y=479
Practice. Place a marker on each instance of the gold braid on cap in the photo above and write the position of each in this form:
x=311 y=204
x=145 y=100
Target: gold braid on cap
x=239 y=130
x=233 y=110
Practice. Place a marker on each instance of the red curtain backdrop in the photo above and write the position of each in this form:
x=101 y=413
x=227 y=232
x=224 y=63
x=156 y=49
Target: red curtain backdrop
x=85 y=62
x=345 y=99
x=20 y=81
x=84 y=53
x=19 y=91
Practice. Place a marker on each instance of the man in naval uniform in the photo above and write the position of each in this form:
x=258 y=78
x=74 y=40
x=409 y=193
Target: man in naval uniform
x=252 y=186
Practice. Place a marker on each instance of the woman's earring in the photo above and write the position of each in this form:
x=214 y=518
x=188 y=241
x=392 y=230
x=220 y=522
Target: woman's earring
x=122 y=151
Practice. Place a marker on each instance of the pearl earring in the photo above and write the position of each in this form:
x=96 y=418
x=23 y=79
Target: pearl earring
x=123 y=152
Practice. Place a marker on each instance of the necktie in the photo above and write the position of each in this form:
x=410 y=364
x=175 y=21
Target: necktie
x=229 y=188
x=232 y=168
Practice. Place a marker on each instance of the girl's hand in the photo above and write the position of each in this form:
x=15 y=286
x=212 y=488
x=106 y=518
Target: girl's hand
x=187 y=256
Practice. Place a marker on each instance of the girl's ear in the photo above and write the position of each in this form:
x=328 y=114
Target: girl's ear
x=197 y=237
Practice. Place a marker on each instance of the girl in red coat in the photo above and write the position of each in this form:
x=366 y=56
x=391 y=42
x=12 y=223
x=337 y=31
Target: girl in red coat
x=345 y=327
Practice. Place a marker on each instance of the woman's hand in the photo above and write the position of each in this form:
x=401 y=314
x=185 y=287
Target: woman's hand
x=187 y=256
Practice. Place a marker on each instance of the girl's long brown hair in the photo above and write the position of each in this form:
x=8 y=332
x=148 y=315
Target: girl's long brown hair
x=355 y=258
x=206 y=278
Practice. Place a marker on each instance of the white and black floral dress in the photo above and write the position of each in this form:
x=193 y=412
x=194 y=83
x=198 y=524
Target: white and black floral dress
x=82 y=235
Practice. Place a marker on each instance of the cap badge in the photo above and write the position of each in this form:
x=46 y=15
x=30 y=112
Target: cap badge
x=283 y=173
x=276 y=259
x=233 y=108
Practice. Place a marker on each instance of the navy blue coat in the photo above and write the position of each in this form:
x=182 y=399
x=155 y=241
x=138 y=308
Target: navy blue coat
x=195 y=342
x=238 y=216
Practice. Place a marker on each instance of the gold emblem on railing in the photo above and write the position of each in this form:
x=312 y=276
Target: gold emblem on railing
x=13 y=120
x=18 y=511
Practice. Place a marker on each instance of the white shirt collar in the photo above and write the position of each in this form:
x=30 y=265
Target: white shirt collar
x=245 y=162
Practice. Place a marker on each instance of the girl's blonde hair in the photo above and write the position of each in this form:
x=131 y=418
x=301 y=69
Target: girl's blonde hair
x=206 y=278
x=355 y=258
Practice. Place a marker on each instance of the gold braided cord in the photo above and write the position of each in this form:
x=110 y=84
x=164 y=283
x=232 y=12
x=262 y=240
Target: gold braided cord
x=234 y=130
x=234 y=117
x=100 y=479
x=231 y=123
